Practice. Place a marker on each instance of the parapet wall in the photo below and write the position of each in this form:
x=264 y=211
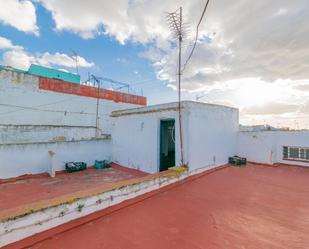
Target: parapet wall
x=89 y=91
x=29 y=100
x=34 y=158
x=267 y=146
x=25 y=134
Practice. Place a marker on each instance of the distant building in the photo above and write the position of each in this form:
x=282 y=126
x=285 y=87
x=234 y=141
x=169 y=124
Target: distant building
x=261 y=128
x=44 y=110
x=257 y=128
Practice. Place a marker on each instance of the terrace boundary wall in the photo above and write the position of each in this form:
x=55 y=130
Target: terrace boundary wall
x=49 y=157
x=266 y=146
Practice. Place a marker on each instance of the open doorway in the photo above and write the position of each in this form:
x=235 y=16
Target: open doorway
x=167 y=144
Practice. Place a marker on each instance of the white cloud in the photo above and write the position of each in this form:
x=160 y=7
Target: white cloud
x=260 y=46
x=17 y=56
x=281 y=12
x=138 y=20
x=91 y=15
x=268 y=40
x=302 y=87
x=6 y=43
x=62 y=60
x=19 y=14
x=271 y=108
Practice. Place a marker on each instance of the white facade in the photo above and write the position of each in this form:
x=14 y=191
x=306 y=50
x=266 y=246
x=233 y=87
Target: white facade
x=212 y=134
x=136 y=137
x=20 y=159
x=23 y=103
x=266 y=146
x=35 y=122
x=17 y=134
x=209 y=135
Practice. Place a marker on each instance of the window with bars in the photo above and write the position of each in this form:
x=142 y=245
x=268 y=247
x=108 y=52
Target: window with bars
x=295 y=153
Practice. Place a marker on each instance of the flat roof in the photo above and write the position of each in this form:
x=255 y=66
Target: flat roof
x=252 y=207
x=21 y=193
x=52 y=73
x=173 y=106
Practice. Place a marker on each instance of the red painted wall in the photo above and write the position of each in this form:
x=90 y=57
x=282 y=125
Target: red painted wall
x=89 y=91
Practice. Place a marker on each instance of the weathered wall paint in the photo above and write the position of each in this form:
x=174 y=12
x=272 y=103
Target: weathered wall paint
x=34 y=121
x=12 y=134
x=266 y=146
x=22 y=102
x=205 y=135
x=89 y=91
x=16 y=160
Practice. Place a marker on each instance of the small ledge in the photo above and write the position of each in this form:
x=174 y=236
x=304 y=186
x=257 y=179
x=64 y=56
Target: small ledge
x=102 y=137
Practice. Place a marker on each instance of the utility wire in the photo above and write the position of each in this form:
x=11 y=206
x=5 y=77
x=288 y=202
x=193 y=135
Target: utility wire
x=196 y=35
x=45 y=110
x=32 y=107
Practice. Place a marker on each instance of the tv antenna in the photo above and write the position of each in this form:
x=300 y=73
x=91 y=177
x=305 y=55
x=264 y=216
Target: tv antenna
x=97 y=81
x=198 y=97
x=175 y=24
x=75 y=58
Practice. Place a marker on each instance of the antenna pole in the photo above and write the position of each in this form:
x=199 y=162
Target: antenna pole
x=97 y=129
x=75 y=58
x=97 y=110
x=175 y=23
x=179 y=87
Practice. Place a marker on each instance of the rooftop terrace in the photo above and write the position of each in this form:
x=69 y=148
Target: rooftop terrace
x=34 y=191
x=252 y=207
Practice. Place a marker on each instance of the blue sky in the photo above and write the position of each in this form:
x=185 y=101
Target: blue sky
x=121 y=62
x=252 y=55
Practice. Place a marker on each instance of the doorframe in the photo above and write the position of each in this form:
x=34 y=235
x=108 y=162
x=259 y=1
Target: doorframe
x=159 y=140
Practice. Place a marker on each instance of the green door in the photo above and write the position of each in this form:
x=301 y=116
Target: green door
x=167 y=144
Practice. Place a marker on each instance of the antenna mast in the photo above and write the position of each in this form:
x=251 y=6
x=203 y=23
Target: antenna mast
x=75 y=58
x=97 y=80
x=176 y=25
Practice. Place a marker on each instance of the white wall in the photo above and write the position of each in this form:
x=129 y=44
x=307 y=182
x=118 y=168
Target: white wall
x=208 y=131
x=36 y=118
x=212 y=134
x=16 y=160
x=266 y=146
x=10 y=134
x=136 y=139
x=23 y=103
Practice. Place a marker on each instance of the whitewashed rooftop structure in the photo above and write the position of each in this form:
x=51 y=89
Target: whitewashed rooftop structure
x=209 y=135
x=39 y=116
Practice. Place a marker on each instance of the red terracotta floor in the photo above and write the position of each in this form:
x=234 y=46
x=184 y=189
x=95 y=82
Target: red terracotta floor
x=256 y=207
x=22 y=192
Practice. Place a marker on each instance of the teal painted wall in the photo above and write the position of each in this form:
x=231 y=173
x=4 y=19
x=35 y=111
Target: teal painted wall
x=53 y=74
